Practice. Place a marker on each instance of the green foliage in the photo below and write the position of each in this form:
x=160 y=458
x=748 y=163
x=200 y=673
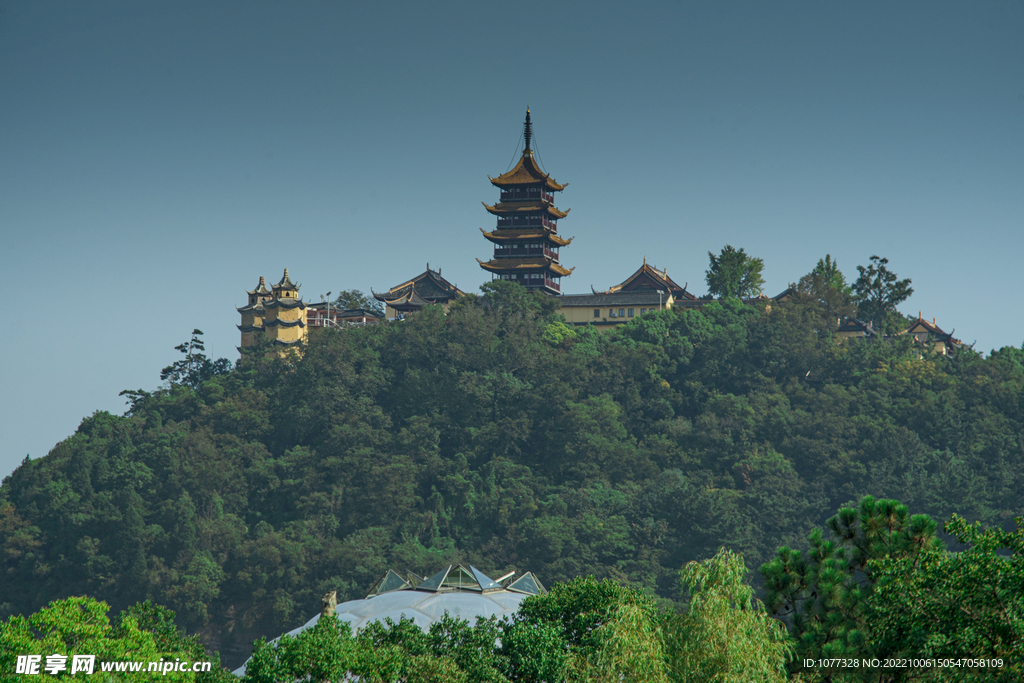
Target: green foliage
x=878 y=292
x=485 y=437
x=824 y=291
x=734 y=274
x=824 y=593
x=451 y=650
x=955 y=605
x=725 y=634
x=827 y=271
x=80 y=626
x=587 y=630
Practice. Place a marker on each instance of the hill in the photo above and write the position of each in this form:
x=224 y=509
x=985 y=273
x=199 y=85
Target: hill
x=498 y=436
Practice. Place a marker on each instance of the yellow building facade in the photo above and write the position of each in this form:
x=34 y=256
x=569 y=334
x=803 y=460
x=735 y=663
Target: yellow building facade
x=278 y=313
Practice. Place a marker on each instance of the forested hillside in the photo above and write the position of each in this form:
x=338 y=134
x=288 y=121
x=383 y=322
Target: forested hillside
x=498 y=436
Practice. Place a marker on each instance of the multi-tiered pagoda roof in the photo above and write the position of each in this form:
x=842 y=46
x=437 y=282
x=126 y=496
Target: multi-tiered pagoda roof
x=526 y=240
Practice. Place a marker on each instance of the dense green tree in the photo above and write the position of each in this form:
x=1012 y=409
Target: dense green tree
x=80 y=626
x=588 y=630
x=725 y=634
x=954 y=605
x=734 y=274
x=878 y=292
x=826 y=288
x=823 y=593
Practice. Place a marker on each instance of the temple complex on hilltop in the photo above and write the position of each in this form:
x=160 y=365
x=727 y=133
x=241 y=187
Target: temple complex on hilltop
x=526 y=251
x=526 y=240
x=284 y=318
x=423 y=290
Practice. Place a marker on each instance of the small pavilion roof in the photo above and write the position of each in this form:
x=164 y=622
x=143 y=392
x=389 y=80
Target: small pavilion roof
x=411 y=300
x=531 y=264
x=512 y=208
x=261 y=289
x=507 y=235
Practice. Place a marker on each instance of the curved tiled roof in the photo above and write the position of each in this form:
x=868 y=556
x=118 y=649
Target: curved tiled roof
x=647 y=275
x=505 y=235
x=258 y=306
x=285 y=303
x=514 y=264
x=286 y=283
x=527 y=172
x=277 y=322
x=512 y=208
x=261 y=289
x=429 y=285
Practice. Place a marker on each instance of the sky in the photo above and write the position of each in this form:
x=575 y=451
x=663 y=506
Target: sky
x=157 y=158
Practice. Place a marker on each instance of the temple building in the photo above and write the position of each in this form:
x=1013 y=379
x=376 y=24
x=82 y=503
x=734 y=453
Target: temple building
x=423 y=290
x=253 y=313
x=526 y=240
x=650 y=279
x=285 y=320
x=645 y=291
x=932 y=337
x=278 y=313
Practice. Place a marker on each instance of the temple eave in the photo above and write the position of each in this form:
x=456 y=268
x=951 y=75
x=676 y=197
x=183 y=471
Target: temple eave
x=521 y=265
x=502 y=236
x=526 y=172
x=513 y=208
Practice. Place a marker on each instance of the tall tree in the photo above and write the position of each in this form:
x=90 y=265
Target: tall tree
x=878 y=292
x=826 y=287
x=734 y=274
x=195 y=368
x=828 y=270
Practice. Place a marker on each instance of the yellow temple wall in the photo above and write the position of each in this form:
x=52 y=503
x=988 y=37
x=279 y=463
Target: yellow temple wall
x=582 y=315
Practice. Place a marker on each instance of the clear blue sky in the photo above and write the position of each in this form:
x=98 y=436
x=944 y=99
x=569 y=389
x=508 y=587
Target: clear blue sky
x=157 y=158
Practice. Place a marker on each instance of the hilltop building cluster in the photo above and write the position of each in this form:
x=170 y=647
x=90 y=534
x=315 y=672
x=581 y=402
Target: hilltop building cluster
x=526 y=251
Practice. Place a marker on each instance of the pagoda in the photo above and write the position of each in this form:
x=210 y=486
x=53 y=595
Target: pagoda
x=254 y=312
x=526 y=240
x=285 y=318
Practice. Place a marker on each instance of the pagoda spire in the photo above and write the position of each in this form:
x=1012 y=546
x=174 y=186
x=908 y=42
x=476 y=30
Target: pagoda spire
x=527 y=130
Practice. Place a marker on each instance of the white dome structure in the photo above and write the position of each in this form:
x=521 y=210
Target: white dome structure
x=463 y=592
